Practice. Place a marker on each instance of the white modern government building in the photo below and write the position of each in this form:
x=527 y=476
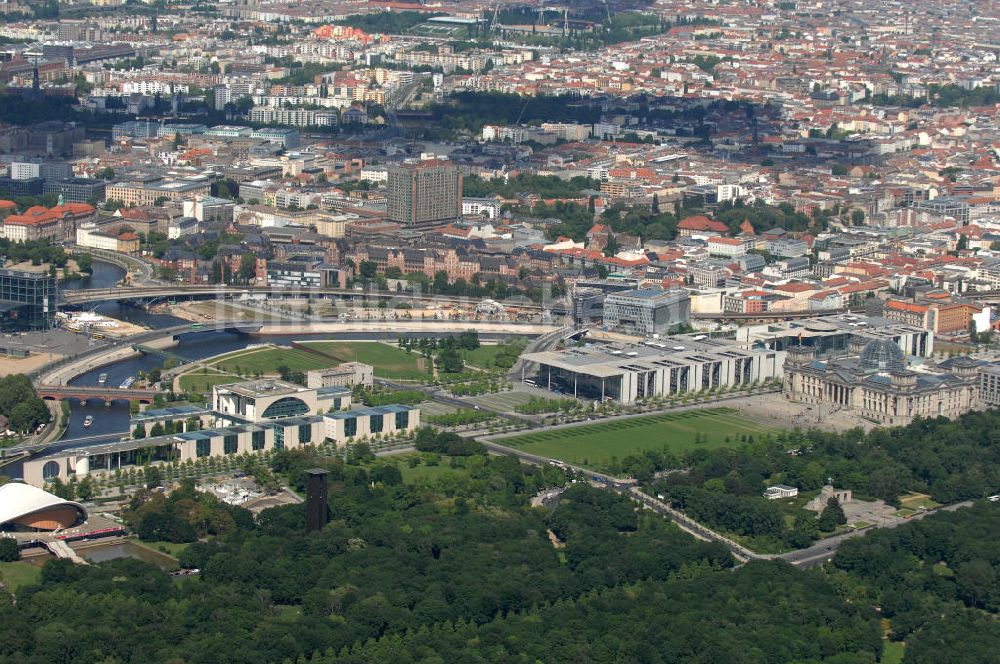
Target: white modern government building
x=672 y=366
x=245 y=417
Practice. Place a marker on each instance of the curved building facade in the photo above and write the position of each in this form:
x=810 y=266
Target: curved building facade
x=27 y=508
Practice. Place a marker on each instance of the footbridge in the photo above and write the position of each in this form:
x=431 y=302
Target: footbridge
x=159 y=352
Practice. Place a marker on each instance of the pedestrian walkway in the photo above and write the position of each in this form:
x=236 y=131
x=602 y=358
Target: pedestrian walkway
x=61 y=549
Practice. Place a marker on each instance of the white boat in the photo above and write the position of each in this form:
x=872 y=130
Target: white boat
x=87 y=421
x=102 y=379
x=127 y=383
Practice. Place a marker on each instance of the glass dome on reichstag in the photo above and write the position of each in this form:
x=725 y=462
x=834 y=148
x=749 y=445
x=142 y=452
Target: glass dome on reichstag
x=883 y=355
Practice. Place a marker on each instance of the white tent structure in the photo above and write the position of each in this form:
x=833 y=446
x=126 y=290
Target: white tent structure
x=24 y=507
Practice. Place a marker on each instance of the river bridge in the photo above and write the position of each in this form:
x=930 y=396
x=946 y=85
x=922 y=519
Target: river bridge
x=88 y=392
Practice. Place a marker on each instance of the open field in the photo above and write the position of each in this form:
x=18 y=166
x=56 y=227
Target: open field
x=595 y=444
x=267 y=361
x=20 y=573
x=388 y=361
x=892 y=652
x=424 y=472
x=483 y=357
x=915 y=501
x=202 y=381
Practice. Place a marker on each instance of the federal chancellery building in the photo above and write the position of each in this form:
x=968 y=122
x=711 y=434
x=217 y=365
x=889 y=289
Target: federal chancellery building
x=252 y=416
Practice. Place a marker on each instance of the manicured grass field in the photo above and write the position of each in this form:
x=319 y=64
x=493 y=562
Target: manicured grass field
x=201 y=381
x=594 y=444
x=388 y=361
x=483 y=357
x=267 y=361
x=19 y=574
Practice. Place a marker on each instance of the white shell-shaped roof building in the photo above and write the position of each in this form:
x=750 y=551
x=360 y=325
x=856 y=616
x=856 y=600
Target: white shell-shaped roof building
x=27 y=508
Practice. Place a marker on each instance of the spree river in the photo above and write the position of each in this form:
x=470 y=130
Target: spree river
x=112 y=422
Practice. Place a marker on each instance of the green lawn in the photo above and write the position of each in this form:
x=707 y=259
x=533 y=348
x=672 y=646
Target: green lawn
x=892 y=652
x=594 y=444
x=388 y=361
x=422 y=472
x=483 y=357
x=202 y=381
x=267 y=361
x=19 y=574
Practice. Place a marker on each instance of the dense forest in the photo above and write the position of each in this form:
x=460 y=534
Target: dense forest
x=395 y=558
x=932 y=567
x=461 y=568
x=949 y=460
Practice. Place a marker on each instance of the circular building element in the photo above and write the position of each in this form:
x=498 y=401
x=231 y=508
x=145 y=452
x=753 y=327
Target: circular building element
x=882 y=355
x=27 y=508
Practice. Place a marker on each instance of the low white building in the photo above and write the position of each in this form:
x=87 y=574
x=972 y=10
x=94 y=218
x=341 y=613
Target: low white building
x=728 y=247
x=779 y=491
x=486 y=207
x=375 y=174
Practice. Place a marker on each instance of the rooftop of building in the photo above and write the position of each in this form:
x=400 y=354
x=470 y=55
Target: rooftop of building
x=261 y=388
x=651 y=294
x=607 y=360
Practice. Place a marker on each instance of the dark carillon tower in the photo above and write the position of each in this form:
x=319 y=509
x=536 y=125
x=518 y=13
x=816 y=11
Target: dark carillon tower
x=316 y=508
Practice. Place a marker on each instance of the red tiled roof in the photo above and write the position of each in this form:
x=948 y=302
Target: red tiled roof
x=898 y=305
x=702 y=223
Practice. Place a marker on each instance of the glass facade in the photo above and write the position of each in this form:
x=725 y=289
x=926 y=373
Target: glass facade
x=375 y=422
x=351 y=427
x=305 y=434
x=403 y=419
x=203 y=447
x=286 y=407
x=50 y=470
x=257 y=440
x=27 y=300
x=230 y=444
x=279 y=438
